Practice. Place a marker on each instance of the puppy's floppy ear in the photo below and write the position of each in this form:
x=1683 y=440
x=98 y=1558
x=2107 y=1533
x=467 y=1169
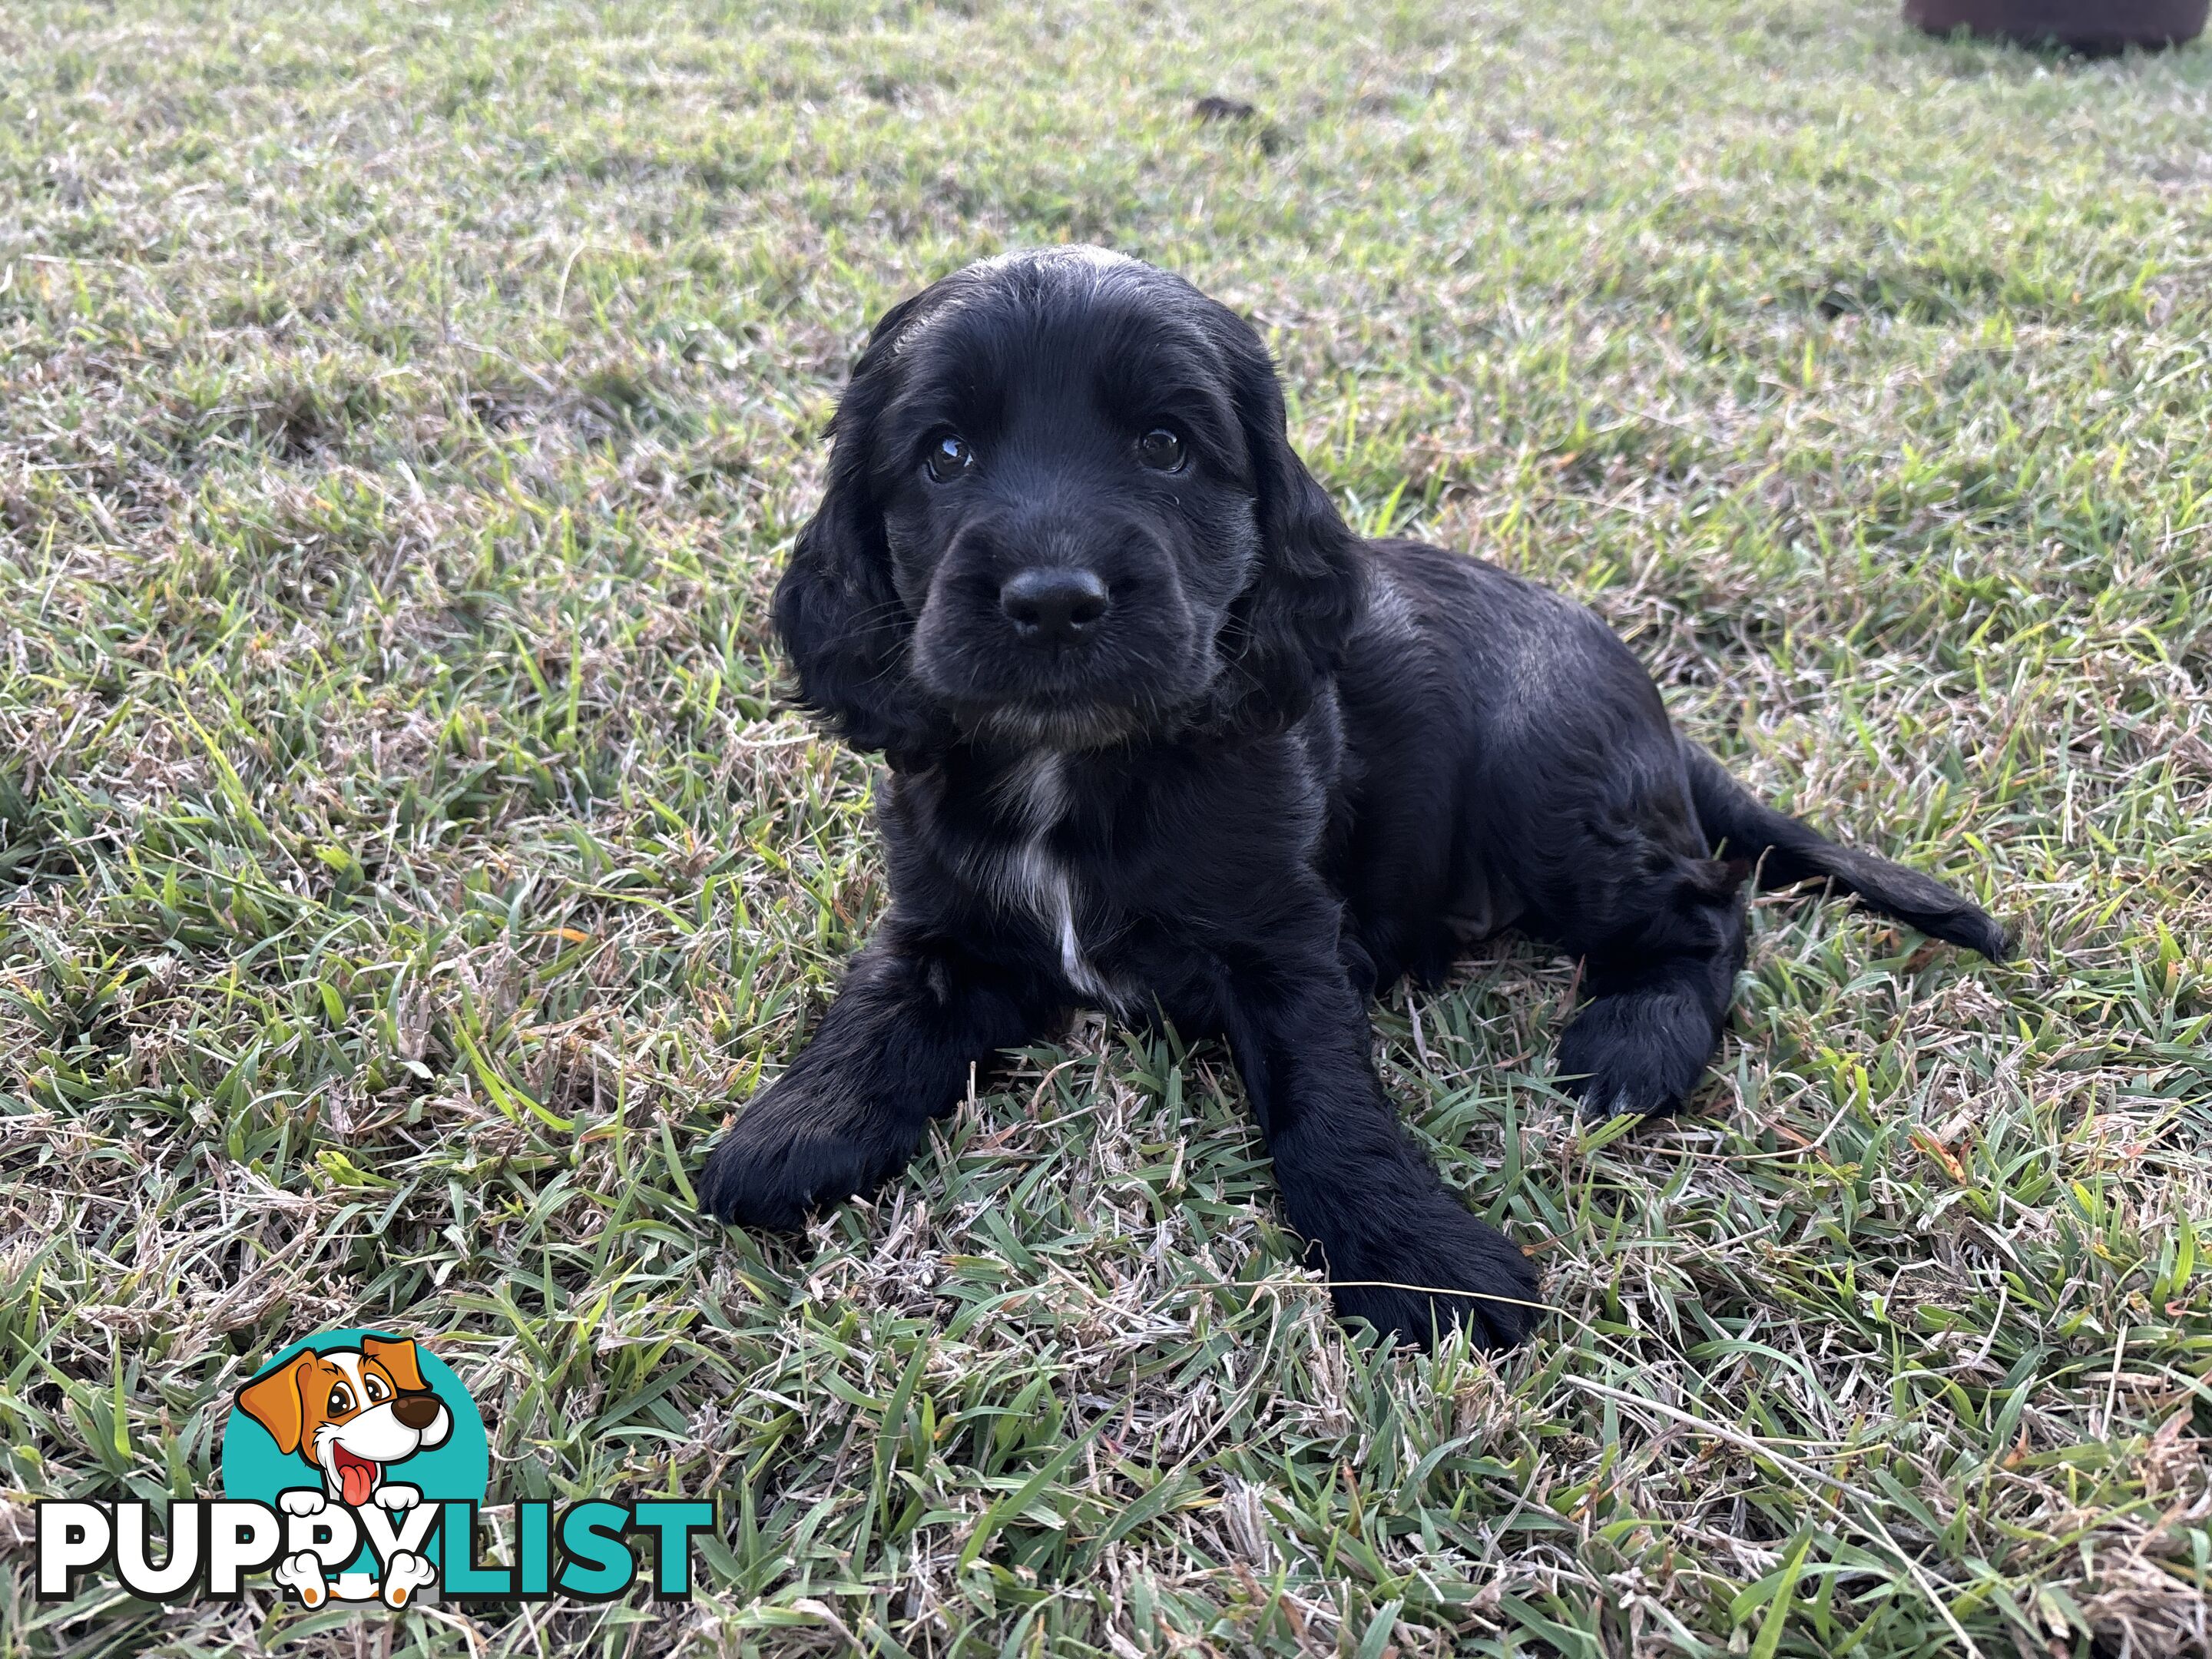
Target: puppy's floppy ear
x=398 y=1358
x=1286 y=632
x=273 y=1401
x=843 y=623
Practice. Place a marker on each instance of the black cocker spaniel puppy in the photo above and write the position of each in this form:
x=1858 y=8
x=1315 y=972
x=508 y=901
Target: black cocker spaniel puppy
x=1166 y=738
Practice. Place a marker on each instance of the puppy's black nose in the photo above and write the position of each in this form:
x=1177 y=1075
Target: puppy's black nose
x=417 y=1410
x=1058 y=606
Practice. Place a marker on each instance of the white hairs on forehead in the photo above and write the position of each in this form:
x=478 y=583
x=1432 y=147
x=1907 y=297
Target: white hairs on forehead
x=1102 y=263
x=1100 y=259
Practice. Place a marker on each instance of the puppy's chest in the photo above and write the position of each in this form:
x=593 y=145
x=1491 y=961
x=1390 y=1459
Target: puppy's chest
x=1015 y=867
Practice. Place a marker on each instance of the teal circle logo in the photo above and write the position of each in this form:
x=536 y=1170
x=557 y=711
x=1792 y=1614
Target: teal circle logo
x=358 y=1436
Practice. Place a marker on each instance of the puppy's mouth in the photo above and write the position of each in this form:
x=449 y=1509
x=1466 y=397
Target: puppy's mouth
x=1071 y=725
x=356 y=1476
x=1086 y=701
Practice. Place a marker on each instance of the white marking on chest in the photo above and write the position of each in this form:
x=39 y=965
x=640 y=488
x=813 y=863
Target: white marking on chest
x=1029 y=878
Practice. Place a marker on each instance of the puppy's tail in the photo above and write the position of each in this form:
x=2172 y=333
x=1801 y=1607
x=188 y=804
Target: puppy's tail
x=1788 y=851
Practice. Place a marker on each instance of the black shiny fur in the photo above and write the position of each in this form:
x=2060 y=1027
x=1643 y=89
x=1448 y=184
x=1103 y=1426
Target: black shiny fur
x=1287 y=767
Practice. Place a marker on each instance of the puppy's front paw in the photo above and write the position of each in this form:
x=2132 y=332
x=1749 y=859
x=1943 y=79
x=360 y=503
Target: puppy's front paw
x=398 y=1498
x=784 y=1160
x=1413 y=1272
x=301 y=1500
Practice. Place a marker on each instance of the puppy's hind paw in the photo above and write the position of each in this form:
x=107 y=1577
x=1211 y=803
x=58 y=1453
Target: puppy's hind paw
x=301 y=1573
x=403 y=1574
x=1636 y=1055
x=1597 y=1099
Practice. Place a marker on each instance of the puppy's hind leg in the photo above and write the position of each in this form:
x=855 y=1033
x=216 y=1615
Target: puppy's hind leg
x=1658 y=998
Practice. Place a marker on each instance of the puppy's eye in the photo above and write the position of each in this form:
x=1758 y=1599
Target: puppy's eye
x=341 y=1400
x=1160 y=450
x=372 y=1386
x=949 y=456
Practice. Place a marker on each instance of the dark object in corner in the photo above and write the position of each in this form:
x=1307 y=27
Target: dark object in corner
x=1217 y=108
x=2094 y=26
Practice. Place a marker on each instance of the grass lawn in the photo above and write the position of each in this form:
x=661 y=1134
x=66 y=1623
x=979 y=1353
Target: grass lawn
x=407 y=864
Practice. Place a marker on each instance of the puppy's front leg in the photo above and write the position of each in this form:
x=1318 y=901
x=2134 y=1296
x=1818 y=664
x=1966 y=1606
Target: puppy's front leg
x=1399 y=1250
x=892 y=1052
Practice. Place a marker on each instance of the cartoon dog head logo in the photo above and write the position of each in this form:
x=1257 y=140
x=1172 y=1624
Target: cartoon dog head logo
x=310 y=1451
x=355 y=1441
x=352 y=1414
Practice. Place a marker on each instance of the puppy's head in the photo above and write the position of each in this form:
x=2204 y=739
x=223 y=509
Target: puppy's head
x=349 y=1411
x=1063 y=510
